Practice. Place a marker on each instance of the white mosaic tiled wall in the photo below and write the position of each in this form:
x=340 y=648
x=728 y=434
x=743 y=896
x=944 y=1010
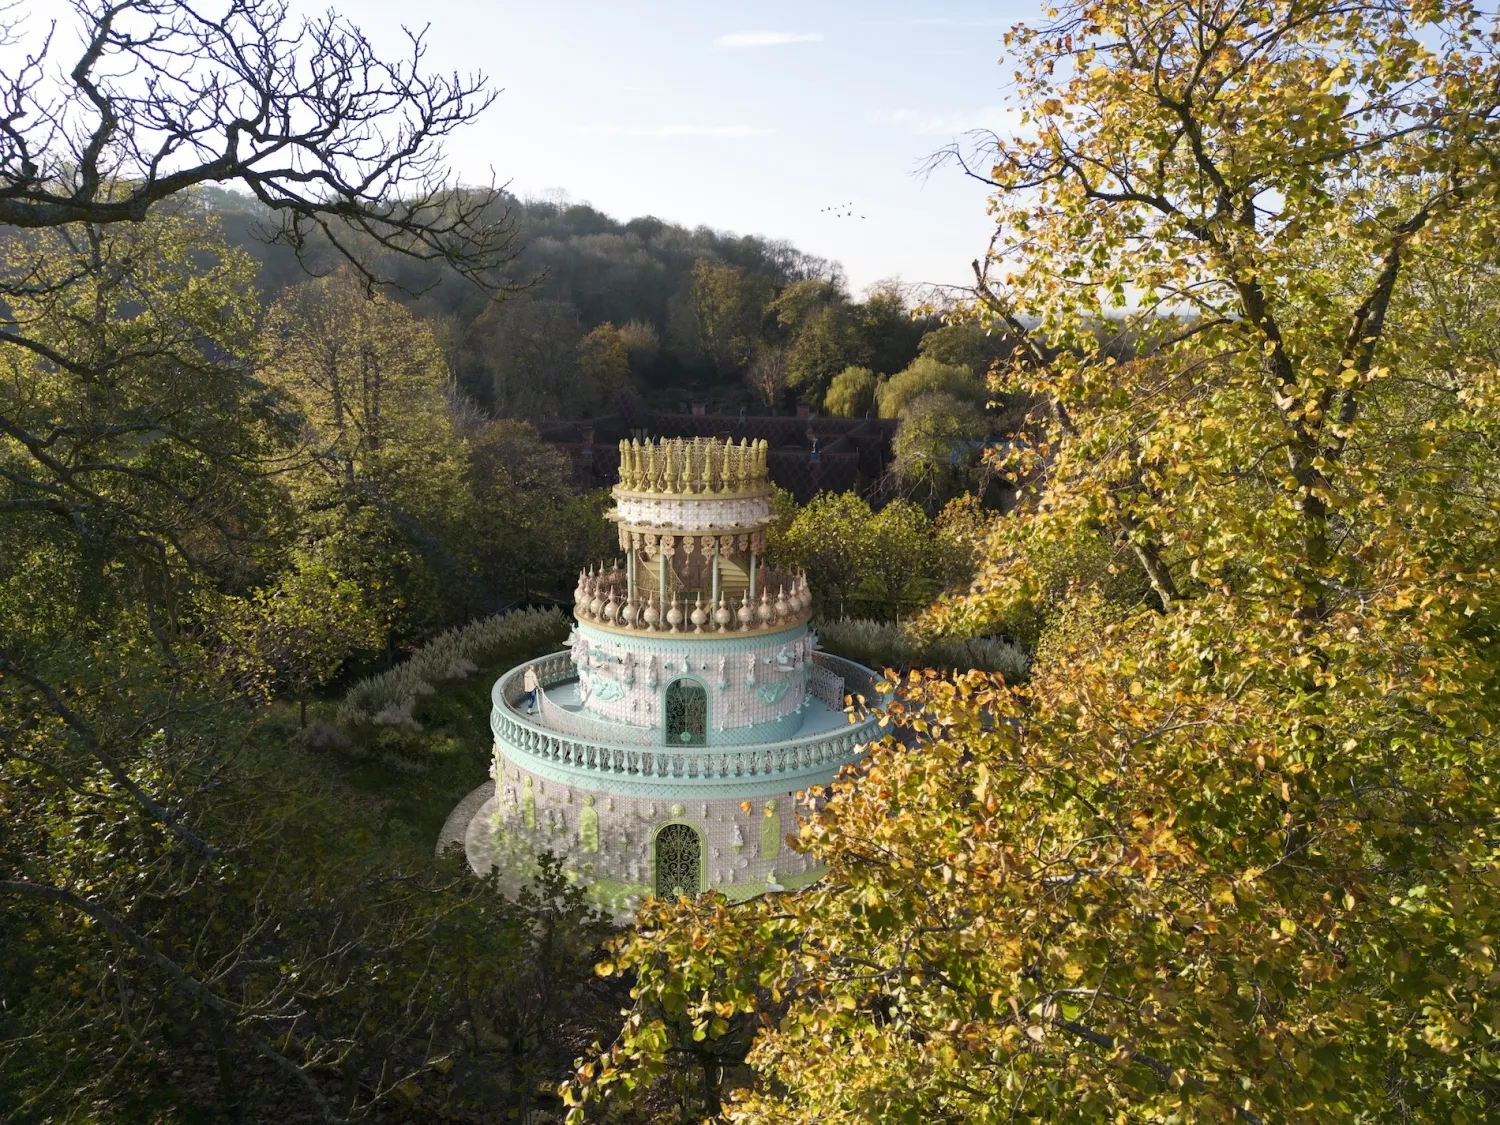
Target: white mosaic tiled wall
x=745 y=688
x=744 y=849
x=693 y=514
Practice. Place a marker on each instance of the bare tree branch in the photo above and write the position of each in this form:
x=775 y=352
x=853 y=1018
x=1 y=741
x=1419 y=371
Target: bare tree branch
x=178 y=975
x=304 y=115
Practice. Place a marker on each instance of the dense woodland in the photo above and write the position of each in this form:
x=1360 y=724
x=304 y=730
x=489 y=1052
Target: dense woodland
x=1189 y=808
x=597 y=310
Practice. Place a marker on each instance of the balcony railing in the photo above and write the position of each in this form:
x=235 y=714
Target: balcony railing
x=793 y=761
x=604 y=598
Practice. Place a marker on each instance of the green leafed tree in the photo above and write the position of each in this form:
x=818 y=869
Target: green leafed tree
x=716 y=322
x=642 y=344
x=966 y=343
x=526 y=351
x=366 y=375
x=898 y=550
x=381 y=484
x=926 y=376
x=529 y=531
x=938 y=446
x=191 y=928
x=884 y=332
x=819 y=351
x=294 y=637
x=851 y=394
x=826 y=538
x=604 y=358
x=797 y=304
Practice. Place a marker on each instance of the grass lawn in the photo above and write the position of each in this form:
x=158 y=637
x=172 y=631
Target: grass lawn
x=412 y=780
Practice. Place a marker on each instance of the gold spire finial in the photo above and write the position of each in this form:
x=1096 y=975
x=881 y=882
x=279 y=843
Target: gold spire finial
x=694 y=466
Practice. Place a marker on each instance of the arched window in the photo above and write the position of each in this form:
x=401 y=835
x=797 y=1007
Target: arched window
x=679 y=854
x=687 y=713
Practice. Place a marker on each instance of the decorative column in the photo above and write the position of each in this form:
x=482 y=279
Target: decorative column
x=714 y=600
x=661 y=573
x=752 y=574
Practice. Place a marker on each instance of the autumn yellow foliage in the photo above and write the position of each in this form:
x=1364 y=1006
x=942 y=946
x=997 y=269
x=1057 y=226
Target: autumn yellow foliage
x=1231 y=854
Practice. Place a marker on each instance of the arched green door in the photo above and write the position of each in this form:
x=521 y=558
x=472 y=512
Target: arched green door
x=679 y=855
x=687 y=713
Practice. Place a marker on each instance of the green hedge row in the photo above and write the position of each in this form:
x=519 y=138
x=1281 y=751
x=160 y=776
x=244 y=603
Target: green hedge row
x=388 y=700
x=886 y=644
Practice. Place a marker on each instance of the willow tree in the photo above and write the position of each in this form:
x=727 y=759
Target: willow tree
x=1231 y=853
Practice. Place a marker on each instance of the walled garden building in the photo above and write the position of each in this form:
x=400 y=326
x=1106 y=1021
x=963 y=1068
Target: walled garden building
x=665 y=748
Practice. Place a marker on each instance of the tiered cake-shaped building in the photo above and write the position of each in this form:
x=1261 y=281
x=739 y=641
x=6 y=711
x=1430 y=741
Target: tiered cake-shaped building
x=666 y=747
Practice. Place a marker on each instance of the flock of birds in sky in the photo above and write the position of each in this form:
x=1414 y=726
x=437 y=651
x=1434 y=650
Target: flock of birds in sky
x=840 y=210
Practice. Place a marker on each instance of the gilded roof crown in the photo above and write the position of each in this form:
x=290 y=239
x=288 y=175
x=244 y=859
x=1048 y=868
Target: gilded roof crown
x=693 y=467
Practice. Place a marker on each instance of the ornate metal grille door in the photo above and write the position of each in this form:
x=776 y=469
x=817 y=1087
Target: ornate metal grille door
x=677 y=854
x=687 y=713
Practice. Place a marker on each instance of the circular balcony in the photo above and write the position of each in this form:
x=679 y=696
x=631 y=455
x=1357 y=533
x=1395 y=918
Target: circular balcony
x=570 y=747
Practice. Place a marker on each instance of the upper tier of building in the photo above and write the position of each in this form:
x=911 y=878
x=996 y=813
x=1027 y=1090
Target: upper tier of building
x=691 y=492
x=692 y=516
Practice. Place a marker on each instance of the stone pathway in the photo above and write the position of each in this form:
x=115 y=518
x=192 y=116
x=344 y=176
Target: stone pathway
x=469 y=825
x=456 y=827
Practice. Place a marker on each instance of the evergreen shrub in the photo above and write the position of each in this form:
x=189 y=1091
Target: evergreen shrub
x=888 y=644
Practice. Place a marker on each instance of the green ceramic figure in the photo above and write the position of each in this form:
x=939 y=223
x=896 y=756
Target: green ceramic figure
x=588 y=825
x=770 y=833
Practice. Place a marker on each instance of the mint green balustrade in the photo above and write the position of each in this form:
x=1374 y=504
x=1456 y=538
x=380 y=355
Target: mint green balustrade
x=630 y=768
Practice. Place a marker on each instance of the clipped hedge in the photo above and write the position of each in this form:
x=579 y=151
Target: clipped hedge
x=885 y=644
x=389 y=699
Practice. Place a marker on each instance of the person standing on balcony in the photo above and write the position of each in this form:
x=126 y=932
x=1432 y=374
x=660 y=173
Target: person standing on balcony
x=532 y=686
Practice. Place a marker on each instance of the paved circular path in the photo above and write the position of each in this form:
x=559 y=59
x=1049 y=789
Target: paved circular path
x=456 y=827
x=469 y=826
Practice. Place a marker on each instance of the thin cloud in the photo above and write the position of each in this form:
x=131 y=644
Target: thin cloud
x=722 y=131
x=951 y=123
x=937 y=21
x=737 y=39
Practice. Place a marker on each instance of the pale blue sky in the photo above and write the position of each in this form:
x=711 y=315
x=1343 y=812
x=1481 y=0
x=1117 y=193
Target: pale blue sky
x=678 y=110
x=746 y=117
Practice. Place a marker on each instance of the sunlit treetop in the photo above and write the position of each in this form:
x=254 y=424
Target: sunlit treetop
x=1229 y=855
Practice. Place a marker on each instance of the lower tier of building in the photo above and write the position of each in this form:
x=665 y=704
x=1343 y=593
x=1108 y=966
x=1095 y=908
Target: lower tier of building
x=632 y=820
x=626 y=848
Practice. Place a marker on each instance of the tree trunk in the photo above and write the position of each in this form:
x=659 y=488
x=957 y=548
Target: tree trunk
x=350 y=1069
x=224 y=1062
